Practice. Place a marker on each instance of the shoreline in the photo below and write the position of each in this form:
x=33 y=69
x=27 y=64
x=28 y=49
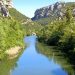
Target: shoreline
x=13 y=52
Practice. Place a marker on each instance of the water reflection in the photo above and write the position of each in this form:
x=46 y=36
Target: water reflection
x=6 y=66
x=33 y=63
x=58 y=57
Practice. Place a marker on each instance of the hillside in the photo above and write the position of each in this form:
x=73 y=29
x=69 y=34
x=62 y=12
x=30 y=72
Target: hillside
x=17 y=15
x=12 y=31
x=60 y=33
x=53 y=12
x=7 y=10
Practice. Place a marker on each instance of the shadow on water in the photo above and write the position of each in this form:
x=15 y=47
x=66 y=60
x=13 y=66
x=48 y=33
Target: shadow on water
x=57 y=56
x=34 y=61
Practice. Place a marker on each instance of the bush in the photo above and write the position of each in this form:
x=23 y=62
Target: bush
x=67 y=41
x=59 y=33
x=11 y=34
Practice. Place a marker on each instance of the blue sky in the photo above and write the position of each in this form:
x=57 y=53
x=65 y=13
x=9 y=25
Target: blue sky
x=28 y=7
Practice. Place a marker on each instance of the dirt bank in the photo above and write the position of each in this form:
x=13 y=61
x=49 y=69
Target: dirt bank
x=13 y=52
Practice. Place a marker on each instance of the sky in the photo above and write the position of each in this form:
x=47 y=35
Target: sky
x=28 y=7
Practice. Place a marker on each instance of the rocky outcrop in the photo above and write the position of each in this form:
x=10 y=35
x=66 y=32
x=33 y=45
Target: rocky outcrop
x=51 y=10
x=7 y=3
x=13 y=52
x=56 y=10
x=74 y=12
x=4 y=6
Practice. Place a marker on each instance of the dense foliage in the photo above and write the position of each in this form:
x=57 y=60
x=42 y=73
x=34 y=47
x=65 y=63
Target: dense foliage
x=31 y=27
x=60 y=33
x=11 y=34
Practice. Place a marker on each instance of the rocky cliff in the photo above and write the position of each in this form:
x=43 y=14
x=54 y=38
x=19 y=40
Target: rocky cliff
x=7 y=3
x=56 y=10
x=4 y=7
x=7 y=10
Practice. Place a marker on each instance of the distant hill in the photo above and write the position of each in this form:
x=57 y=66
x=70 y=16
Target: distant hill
x=52 y=12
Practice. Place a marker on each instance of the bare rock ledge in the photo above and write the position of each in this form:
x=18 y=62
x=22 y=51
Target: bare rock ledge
x=13 y=52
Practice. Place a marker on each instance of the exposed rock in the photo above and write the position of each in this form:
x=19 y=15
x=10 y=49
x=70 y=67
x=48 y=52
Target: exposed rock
x=4 y=11
x=56 y=10
x=4 y=6
x=13 y=52
x=74 y=12
x=7 y=3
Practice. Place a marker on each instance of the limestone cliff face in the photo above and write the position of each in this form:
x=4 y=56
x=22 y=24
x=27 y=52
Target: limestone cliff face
x=55 y=10
x=51 y=10
x=4 y=6
x=7 y=3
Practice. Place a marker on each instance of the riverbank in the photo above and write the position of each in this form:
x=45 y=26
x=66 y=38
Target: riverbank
x=13 y=52
x=56 y=55
x=12 y=34
x=60 y=34
x=56 y=52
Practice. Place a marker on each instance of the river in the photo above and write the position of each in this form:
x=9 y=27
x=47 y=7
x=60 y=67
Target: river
x=34 y=61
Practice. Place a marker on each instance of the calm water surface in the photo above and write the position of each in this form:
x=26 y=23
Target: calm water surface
x=32 y=63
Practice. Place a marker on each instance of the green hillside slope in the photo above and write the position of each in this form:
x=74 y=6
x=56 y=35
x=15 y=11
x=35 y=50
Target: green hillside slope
x=17 y=15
